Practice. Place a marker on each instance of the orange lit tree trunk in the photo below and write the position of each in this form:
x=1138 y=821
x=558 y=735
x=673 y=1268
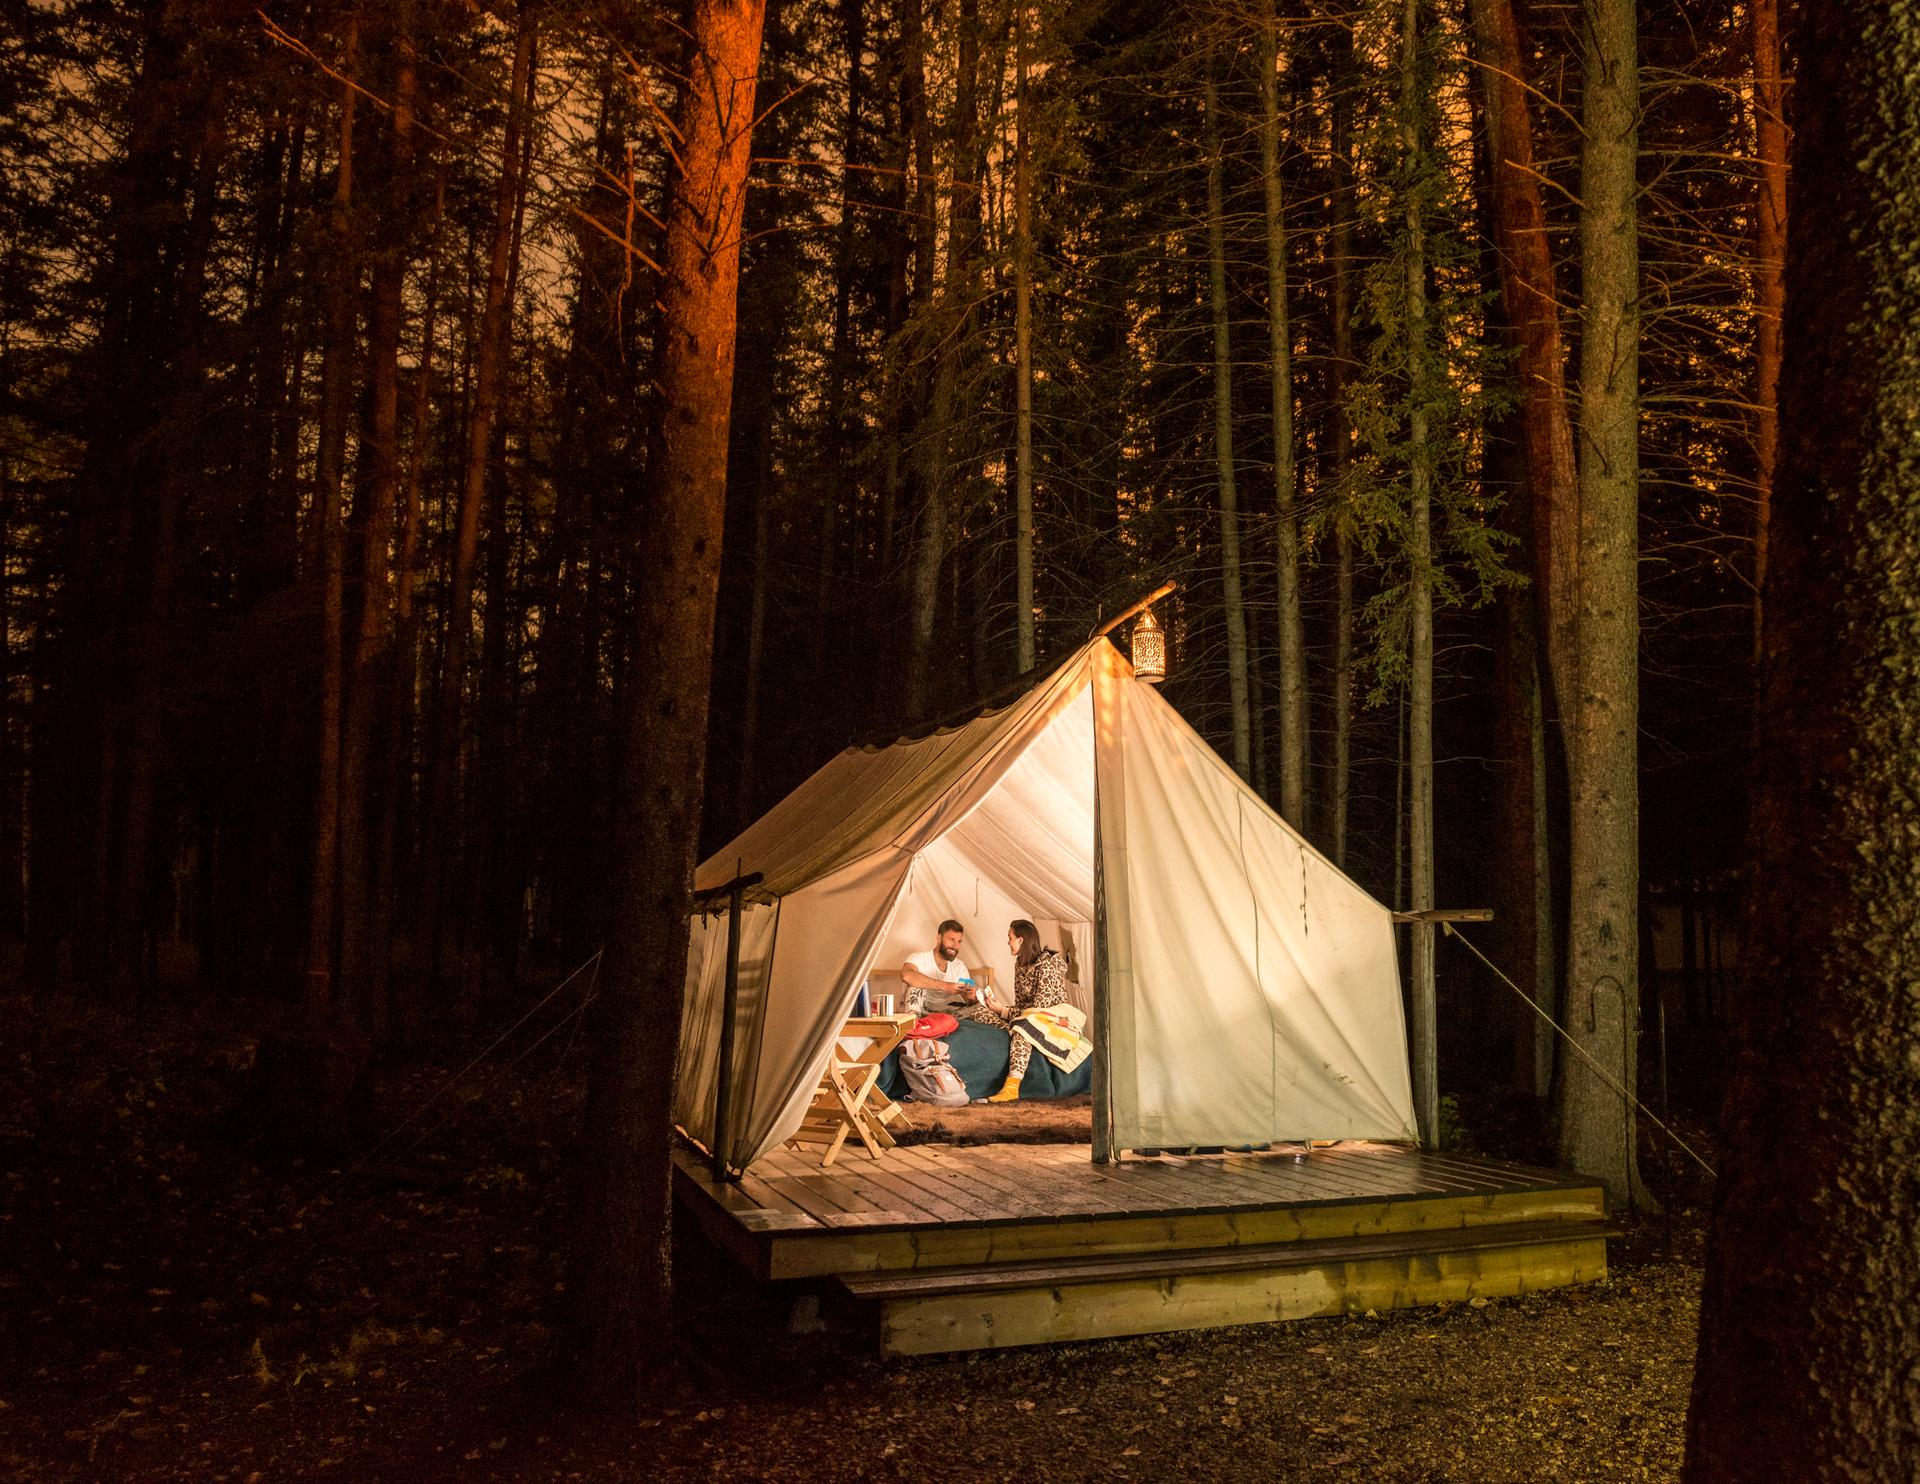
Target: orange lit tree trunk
x=1809 y=1362
x=1541 y=642
x=1528 y=290
x=621 y=1284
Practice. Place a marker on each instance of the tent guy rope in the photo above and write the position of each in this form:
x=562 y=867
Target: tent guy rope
x=498 y=1041
x=1599 y=1071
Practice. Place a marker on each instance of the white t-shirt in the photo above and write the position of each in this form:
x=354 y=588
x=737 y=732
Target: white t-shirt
x=929 y=962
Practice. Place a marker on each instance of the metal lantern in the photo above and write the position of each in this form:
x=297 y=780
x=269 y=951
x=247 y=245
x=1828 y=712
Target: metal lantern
x=1149 y=650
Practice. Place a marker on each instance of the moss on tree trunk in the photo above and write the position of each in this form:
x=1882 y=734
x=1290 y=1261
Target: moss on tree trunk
x=1810 y=1334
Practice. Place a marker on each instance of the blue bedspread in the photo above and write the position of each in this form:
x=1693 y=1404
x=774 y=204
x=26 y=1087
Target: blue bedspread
x=979 y=1055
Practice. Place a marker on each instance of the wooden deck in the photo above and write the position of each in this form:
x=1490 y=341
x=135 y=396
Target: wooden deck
x=963 y=1247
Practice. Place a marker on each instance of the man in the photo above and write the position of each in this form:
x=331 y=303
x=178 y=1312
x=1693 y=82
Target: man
x=936 y=978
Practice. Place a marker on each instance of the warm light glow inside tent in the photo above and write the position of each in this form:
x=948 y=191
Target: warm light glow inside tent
x=1250 y=989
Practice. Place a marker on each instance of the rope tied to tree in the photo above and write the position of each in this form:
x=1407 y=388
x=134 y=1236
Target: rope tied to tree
x=1567 y=1036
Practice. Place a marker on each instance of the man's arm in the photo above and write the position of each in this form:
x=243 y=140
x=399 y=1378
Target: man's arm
x=914 y=979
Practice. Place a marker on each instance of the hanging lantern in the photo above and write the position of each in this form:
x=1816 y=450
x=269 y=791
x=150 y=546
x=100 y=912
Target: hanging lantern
x=1149 y=650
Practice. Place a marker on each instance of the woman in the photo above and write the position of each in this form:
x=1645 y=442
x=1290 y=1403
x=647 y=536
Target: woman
x=1039 y=980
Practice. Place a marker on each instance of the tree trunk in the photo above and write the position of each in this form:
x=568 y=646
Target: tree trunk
x=1022 y=355
x=144 y=374
x=620 y=1288
x=1223 y=438
x=1809 y=1364
x=930 y=432
x=1420 y=864
x=1292 y=633
x=336 y=394
x=907 y=228
x=1531 y=298
x=1770 y=281
x=373 y=634
x=1340 y=306
x=1602 y=1003
x=489 y=364
x=752 y=681
x=1523 y=925
x=487 y=915
x=1522 y=448
x=403 y=675
x=840 y=358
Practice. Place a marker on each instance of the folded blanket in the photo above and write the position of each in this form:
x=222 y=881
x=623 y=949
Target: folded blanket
x=1058 y=1033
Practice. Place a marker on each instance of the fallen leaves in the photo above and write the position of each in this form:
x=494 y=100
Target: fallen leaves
x=419 y=1352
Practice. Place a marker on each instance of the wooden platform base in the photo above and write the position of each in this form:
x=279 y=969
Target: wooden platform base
x=945 y=1248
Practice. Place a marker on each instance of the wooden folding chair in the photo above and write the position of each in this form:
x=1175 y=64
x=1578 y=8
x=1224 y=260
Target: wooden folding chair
x=848 y=1099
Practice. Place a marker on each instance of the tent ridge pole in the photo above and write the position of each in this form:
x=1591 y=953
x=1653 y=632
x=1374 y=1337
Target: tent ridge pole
x=1128 y=612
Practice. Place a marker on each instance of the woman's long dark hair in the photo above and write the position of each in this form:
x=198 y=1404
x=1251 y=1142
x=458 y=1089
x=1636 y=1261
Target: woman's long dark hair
x=1029 y=937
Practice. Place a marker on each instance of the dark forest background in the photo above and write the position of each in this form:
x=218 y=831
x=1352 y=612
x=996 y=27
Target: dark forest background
x=324 y=339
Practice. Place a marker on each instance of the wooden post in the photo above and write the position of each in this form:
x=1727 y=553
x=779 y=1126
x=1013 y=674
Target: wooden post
x=1109 y=625
x=1103 y=1150
x=723 y=1076
x=736 y=891
x=1425 y=1049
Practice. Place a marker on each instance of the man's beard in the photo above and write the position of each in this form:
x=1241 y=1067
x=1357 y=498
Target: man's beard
x=949 y=954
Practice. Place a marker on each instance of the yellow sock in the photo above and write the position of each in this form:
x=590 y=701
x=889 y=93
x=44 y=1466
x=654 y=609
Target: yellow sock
x=1009 y=1092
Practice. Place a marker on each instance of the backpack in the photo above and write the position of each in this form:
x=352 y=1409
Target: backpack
x=930 y=1074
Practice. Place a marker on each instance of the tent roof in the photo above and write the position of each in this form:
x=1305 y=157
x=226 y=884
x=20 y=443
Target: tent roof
x=875 y=798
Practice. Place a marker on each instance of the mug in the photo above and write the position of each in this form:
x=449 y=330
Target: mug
x=883 y=1004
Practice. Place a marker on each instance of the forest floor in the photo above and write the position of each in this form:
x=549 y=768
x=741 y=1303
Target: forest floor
x=177 y=1305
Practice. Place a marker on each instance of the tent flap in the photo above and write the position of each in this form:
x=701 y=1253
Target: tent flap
x=1260 y=995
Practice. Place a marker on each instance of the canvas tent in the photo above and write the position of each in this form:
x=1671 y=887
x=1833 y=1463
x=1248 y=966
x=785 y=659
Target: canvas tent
x=1250 y=990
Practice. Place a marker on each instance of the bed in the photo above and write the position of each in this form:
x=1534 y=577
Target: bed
x=979 y=1055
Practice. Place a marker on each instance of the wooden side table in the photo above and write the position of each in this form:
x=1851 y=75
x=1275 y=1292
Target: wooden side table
x=849 y=1099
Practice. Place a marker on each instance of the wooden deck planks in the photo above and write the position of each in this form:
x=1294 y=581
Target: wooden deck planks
x=965 y=1199
x=1230 y=1181
x=1023 y=1187
x=1370 y=1178
x=932 y=1185
x=1131 y=1198
x=1312 y=1177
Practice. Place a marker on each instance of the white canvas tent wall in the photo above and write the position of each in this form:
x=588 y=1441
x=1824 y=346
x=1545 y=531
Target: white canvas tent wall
x=1250 y=990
